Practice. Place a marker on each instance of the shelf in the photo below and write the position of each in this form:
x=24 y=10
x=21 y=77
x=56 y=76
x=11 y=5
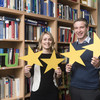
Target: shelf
x=63 y=43
x=94 y=26
x=87 y=7
x=38 y=16
x=7 y=68
x=27 y=95
x=69 y=2
x=9 y=40
x=64 y=22
x=62 y=87
x=31 y=41
x=15 y=98
x=13 y=12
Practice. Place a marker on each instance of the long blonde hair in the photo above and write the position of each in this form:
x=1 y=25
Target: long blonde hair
x=40 y=41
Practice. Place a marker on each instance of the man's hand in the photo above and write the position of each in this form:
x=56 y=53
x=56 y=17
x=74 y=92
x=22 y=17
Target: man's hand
x=95 y=62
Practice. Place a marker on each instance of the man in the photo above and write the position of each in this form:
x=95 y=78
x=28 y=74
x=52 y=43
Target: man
x=84 y=79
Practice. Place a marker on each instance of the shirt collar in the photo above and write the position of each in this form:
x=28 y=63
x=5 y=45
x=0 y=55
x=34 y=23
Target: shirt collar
x=87 y=40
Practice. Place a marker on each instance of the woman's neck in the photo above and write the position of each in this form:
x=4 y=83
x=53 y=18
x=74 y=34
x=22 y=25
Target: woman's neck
x=46 y=51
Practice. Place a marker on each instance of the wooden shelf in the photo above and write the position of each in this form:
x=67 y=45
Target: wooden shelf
x=15 y=98
x=63 y=43
x=87 y=7
x=62 y=87
x=13 y=12
x=9 y=68
x=65 y=21
x=69 y=2
x=9 y=40
x=31 y=41
x=27 y=95
x=94 y=26
x=39 y=17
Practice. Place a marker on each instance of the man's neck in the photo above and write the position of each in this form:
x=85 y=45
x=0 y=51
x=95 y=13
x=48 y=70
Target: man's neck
x=82 y=40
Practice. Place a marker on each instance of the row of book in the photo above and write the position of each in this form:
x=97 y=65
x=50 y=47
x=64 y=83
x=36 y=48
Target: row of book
x=65 y=34
x=91 y=3
x=86 y=14
x=43 y=7
x=61 y=49
x=9 y=87
x=12 y=4
x=28 y=85
x=33 y=47
x=33 y=29
x=9 y=28
x=66 y=12
x=11 y=55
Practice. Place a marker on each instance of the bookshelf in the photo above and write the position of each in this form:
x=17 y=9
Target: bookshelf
x=53 y=21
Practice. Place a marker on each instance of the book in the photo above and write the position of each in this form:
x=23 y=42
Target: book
x=50 y=8
x=10 y=19
x=16 y=31
x=17 y=86
x=1 y=3
x=29 y=21
x=7 y=29
x=6 y=86
x=1 y=29
x=3 y=87
x=12 y=30
x=42 y=7
x=84 y=2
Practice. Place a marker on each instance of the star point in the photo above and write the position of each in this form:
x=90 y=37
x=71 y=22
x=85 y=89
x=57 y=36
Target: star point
x=95 y=46
x=74 y=55
x=32 y=58
x=52 y=62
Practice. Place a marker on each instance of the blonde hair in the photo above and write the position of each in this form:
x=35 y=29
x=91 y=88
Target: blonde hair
x=40 y=41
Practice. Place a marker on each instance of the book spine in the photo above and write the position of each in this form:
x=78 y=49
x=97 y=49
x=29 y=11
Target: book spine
x=1 y=3
x=12 y=30
x=7 y=29
x=1 y=29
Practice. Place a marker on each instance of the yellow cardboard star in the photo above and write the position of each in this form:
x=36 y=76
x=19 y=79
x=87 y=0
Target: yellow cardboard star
x=74 y=55
x=32 y=58
x=52 y=62
x=95 y=46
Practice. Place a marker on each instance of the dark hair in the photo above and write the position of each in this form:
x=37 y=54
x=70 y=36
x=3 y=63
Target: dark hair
x=81 y=19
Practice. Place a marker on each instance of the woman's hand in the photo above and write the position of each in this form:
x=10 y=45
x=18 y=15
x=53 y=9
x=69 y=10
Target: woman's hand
x=68 y=67
x=58 y=72
x=27 y=70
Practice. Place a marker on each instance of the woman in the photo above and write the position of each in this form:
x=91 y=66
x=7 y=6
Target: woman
x=44 y=87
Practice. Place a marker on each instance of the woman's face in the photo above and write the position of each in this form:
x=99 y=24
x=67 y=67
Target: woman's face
x=46 y=42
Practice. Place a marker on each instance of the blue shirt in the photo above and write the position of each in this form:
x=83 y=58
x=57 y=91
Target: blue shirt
x=84 y=77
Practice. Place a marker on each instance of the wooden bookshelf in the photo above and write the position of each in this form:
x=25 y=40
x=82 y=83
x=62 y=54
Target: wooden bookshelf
x=52 y=22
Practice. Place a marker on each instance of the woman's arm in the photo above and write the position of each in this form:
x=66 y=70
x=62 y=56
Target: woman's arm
x=27 y=71
x=58 y=72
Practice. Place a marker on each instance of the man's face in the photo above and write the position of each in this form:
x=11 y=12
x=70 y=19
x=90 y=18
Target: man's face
x=80 y=30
